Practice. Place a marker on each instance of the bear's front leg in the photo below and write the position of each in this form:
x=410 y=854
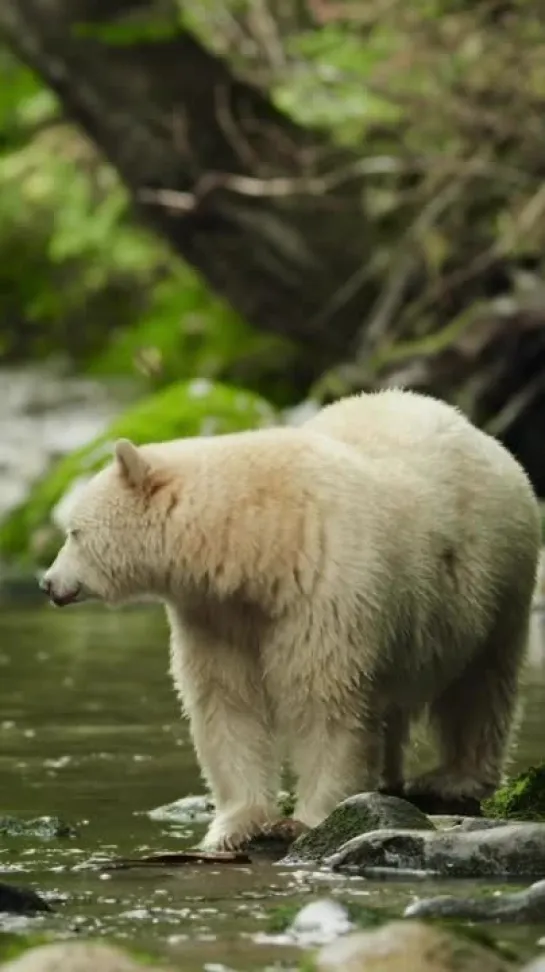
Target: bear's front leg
x=234 y=737
x=334 y=759
x=236 y=753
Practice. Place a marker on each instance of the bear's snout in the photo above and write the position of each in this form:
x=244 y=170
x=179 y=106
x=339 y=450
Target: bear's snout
x=59 y=598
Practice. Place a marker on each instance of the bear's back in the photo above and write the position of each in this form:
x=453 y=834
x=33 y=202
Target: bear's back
x=460 y=490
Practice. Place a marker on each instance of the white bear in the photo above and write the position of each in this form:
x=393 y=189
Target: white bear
x=325 y=585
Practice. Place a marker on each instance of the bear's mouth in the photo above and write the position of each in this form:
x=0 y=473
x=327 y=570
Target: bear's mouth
x=62 y=600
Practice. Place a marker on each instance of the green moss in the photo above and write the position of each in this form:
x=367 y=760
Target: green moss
x=522 y=798
x=282 y=916
x=183 y=409
x=286 y=803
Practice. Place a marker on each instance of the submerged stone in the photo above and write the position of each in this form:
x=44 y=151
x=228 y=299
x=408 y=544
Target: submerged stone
x=190 y=809
x=405 y=946
x=315 y=923
x=524 y=907
x=522 y=798
x=355 y=816
x=46 y=828
x=200 y=809
x=512 y=850
x=277 y=838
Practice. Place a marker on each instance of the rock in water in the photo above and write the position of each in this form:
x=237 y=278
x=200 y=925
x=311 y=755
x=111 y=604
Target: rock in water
x=21 y=901
x=513 y=850
x=355 y=816
x=319 y=922
x=76 y=957
x=190 y=809
x=404 y=946
x=527 y=907
x=46 y=828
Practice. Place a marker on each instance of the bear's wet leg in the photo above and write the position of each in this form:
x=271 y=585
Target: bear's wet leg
x=233 y=733
x=237 y=756
x=333 y=761
x=473 y=719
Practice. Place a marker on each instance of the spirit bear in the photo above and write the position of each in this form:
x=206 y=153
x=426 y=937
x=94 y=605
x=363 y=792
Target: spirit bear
x=325 y=586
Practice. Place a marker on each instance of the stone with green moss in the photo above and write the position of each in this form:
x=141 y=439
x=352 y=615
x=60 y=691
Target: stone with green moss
x=45 y=828
x=357 y=815
x=89 y=956
x=522 y=798
x=13 y=944
x=27 y=535
x=408 y=946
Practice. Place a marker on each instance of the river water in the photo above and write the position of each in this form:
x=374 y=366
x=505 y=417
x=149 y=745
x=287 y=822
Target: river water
x=90 y=731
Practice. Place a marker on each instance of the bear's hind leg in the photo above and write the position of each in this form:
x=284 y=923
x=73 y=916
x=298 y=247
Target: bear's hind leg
x=473 y=719
x=396 y=732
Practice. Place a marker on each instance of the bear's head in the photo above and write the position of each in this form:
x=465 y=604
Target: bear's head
x=114 y=534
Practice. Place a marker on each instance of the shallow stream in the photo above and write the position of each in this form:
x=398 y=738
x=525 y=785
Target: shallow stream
x=90 y=731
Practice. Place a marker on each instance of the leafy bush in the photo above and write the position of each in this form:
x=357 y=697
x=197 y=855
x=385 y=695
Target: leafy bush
x=183 y=409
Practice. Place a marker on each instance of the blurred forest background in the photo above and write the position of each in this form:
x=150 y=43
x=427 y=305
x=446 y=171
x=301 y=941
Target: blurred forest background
x=219 y=211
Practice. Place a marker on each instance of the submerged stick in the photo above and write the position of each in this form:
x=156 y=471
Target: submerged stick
x=178 y=859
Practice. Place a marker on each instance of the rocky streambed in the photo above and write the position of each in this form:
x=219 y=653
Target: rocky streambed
x=371 y=838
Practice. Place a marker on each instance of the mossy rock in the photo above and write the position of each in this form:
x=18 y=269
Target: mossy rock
x=85 y=956
x=13 y=944
x=45 y=828
x=522 y=798
x=357 y=815
x=182 y=410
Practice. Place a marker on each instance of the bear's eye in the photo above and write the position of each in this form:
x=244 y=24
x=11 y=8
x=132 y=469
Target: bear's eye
x=74 y=534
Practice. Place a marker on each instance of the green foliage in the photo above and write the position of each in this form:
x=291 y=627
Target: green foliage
x=185 y=332
x=447 y=128
x=429 y=94
x=69 y=254
x=77 y=274
x=182 y=409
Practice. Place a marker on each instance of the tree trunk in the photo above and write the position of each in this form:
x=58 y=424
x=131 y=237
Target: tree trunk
x=254 y=206
x=167 y=113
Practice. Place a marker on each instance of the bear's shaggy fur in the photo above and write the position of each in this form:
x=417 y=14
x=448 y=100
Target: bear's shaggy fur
x=325 y=585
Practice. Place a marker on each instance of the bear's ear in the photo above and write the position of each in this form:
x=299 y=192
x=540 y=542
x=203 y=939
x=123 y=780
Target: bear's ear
x=131 y=462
